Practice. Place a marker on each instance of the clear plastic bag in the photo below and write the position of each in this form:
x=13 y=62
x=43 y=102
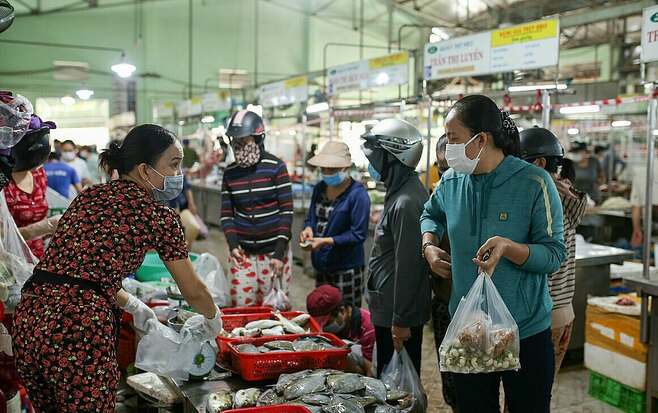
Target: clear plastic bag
x=165 y=352
x=400 y=374
x=211 y=272
x=276 y=298
x=482 y=336
x=16 y=259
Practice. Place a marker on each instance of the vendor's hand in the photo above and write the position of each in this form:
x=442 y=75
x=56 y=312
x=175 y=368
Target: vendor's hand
x=400 y=335
x=202 y=328
x=237 y=257
x=637 y=238
x=277 y=267
x=495 y=249
x=142 y=314
x=439 y=260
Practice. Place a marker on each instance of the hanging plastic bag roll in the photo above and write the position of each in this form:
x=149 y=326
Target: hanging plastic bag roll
x=400 y=374
x=482 y=336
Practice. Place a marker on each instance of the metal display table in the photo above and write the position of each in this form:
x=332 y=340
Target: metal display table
x=592 y=278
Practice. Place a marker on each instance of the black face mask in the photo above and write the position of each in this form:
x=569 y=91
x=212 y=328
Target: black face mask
x=32 y=151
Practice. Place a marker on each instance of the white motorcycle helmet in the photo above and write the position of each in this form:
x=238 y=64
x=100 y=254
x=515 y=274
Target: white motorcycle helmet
x=400 y=138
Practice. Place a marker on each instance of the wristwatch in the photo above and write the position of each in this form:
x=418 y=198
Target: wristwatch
x=425 y=245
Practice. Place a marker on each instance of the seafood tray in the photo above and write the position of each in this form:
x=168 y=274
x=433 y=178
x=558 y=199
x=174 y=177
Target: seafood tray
x=284 y=408
x=271 y=365
x=246 y=310
x=241 y=320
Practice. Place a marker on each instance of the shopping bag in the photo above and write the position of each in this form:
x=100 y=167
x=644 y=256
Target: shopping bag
x=400 y=374
x=482 y=336
x=276 y=298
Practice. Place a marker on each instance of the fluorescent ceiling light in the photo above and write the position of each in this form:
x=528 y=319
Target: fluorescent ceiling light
x=527 y=88
x=208 y=119
x=84 y=94
x=317 y=107
x=68 y=100
x=573 y=131
x=123 y=68
x=292 y=132
x=567 y=110
x=655 y=132
x=621 y=123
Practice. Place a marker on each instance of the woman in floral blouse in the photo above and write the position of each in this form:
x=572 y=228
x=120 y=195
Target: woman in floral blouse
x=66 y=323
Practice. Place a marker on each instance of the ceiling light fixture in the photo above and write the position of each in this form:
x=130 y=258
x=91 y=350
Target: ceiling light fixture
x=621 y=123
x=560 y=86
x=573 y=131
x=568 y=110
x=317 y=107
x=84 y=94
x=68 y=100
x=123 y=68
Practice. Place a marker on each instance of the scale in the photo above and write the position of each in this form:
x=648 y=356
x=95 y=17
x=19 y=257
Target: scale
x=204 y=361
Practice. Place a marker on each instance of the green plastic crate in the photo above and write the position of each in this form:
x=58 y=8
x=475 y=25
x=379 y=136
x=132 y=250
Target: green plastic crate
x=616 y=394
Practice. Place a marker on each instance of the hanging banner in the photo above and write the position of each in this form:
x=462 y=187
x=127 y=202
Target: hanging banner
x=215 y=102
x=164 y=110
x=284 y=92
x=189 y=107
x=463 y=56
x=366 y=74
x=649 y=43
x=528 y=46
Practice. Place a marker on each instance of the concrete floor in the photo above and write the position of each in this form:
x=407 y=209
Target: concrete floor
x=569 y=392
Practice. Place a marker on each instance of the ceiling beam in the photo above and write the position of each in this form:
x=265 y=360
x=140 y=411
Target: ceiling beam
x=579 y=18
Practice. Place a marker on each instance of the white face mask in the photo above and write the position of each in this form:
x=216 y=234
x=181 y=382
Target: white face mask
x=68 y=156
x=577 y=157
x=457 y=159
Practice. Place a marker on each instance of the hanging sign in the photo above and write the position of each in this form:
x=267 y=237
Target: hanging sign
x=528 y=46
x=284 y=92
x=215 y=102
x=164 y=110
x=189 y=107
x=366 y=74
x=649 y=51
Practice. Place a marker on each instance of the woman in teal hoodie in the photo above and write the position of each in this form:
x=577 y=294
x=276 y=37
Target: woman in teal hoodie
x=492 y=201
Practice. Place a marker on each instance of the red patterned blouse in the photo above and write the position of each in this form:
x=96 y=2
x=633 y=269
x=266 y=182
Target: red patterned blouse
x=28 y=208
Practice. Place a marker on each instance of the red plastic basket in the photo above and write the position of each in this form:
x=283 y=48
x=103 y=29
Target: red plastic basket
x=277 y=408
x=241 y=320
x=271 y=365
x=246 y=310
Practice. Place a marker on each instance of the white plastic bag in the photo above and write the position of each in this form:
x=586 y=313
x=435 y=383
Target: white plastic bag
x=482 y=336
x=400 y=374
x=165 y=352
x=276 y=298
x=211 y=272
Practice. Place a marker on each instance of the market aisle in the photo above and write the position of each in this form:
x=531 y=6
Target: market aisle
x=570 y=394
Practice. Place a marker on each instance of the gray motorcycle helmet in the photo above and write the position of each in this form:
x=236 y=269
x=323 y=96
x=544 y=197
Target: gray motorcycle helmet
x=539 y=142
x=400 y=138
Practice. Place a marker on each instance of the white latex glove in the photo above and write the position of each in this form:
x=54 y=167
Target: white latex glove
x=41 y=228
x=141 y=313
x=202 y=328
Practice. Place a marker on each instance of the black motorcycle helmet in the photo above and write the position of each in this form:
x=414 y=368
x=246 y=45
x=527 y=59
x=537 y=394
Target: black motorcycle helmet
x=538 y=142
x=33 y=150
x=246 y=123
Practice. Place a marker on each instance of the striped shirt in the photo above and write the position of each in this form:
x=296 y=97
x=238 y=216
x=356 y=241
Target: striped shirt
x=257 y=207
x=562 y=283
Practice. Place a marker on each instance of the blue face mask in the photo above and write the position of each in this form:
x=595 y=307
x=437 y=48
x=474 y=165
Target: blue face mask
x=173 y=186
x=334 y=179
x=374 y=174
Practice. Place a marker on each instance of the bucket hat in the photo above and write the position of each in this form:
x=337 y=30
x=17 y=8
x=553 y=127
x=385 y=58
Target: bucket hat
x=332 y=155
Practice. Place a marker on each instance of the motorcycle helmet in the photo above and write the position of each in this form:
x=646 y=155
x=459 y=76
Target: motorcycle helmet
x=32 y=150
x=246 y=123
x=538 y=142
x=398 y=137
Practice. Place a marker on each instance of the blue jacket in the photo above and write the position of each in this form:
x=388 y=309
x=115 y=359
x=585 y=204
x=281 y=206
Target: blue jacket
x=518 y=201
x=348 y=226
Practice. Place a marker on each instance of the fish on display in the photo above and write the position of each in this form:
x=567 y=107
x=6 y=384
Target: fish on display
x=279 y=345
x=344 y=383
x=274 y=331
x=302 y=319
x=246 y=398
x=374 y=388
x=307 y=345
x=316 y=399
x=219 y=402
x=304 y=385
x=288 y=325
x=247 y=348
x=340 y=404
x=286 y=378
x=262 y=324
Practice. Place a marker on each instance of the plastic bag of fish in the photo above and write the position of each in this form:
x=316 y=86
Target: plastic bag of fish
x=257 y=328
x=333 y=391
x=303 y=343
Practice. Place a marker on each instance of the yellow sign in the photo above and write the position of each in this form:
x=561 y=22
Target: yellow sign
x=296 y=82
x=222 y=95
x=544 y=29
x=390 y=60
x=195 y=101
x=168 y=104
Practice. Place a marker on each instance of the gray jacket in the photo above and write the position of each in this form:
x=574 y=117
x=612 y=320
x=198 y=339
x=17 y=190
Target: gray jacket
x=398 y=287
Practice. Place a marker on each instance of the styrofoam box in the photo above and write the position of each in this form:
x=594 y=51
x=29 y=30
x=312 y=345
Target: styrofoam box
x=622 y=369
x=630 y=269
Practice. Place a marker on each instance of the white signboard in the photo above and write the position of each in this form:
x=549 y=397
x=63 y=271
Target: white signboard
x=649 y=35
x=164 y=110
x=366 y=74
x=462 y=56
x=528 y=46
x=284 y=92
x=189 y=107
x=215 y=102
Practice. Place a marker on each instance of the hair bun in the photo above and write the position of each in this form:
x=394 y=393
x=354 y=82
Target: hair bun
x=114 y=150
x=509 y=127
